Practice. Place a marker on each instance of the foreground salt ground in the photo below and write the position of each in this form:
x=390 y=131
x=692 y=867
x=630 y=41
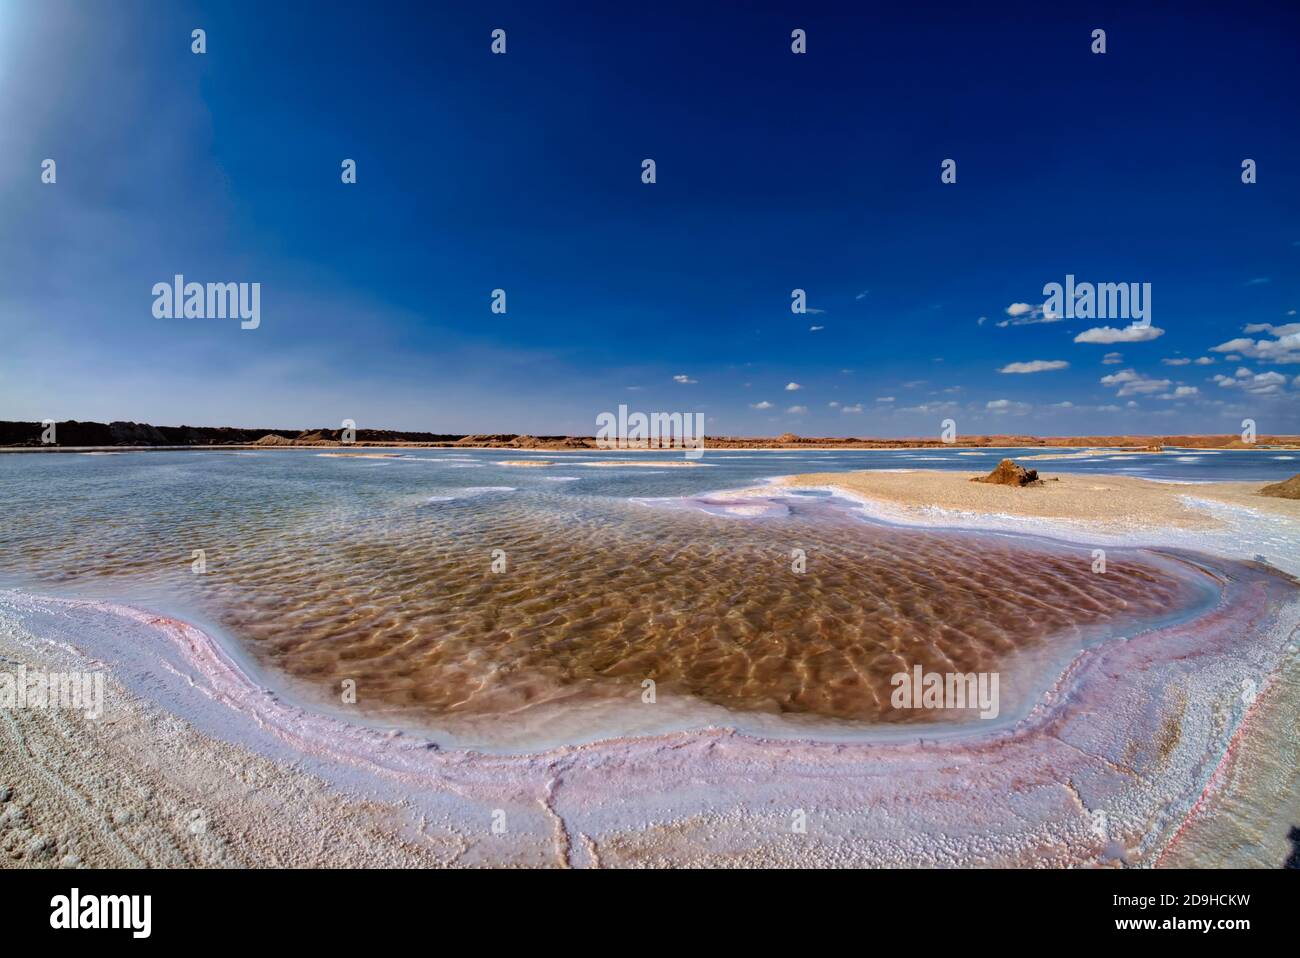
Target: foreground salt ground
x=194 y=764
x=1189 y=758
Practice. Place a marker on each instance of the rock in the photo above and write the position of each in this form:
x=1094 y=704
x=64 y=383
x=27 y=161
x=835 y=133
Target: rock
x=1287 y=489
x=1009 y=473
x=40 y=848
x=270 y=439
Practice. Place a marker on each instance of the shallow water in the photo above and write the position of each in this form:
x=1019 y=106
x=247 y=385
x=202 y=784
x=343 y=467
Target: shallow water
x=382 y=572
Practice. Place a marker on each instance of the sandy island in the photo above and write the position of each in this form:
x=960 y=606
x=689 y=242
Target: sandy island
x=1098 y=502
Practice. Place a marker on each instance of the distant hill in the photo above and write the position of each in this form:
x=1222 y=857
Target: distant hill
x=74 y=434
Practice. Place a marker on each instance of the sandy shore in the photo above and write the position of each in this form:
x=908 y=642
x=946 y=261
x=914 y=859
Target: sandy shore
x=1174 y=746
x=359 y=455
x=1094 y=502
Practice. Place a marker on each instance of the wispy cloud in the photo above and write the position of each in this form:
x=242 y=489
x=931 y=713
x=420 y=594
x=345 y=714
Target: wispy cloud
x=1285 y=348
x=1130 y=334
x=1130 y=382
x=1025 y=314
x=1001 y=406
x=1035 y=366
x=684 y=379
x=1255 y=384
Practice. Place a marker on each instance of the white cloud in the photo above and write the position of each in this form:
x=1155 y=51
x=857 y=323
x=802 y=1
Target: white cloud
x=1106 y=335
x=1035 y=366
x=1255 y=384
x=1283 y=349
x=1176 y=361
x=814 y=329
x=683 y=378
x=797 y=410
x=1000 y=406
x=862 y=294
x=1181 y=392
x=1024 y=314
x=791 y=387
x=1133 y=383
x=760 y=405
x=884 y=399
x=1112 y=359
x=1204 y=361
x=852 y=409
x=931 y=407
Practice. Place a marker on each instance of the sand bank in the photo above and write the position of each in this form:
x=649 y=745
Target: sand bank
x=1109 y=504
x=359 y=455
x=656 y=463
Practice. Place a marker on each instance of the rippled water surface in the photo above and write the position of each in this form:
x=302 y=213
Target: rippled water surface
x=381 y=571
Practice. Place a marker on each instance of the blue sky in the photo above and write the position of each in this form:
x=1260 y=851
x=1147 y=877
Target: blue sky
x=523 y=172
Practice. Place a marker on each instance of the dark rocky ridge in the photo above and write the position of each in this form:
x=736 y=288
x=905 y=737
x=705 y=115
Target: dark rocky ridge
x=72 y=433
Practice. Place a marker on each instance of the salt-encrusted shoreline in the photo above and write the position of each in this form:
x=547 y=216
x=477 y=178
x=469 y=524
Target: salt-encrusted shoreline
x=1132 y=755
